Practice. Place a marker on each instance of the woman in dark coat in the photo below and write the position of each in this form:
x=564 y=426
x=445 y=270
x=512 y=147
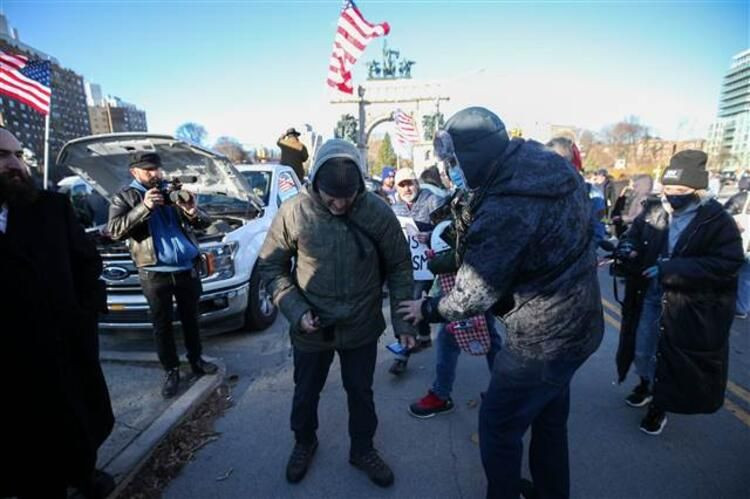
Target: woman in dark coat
x=684 y=255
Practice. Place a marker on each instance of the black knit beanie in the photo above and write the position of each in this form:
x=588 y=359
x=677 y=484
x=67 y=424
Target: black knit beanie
x=687 y=168
x=338 y=177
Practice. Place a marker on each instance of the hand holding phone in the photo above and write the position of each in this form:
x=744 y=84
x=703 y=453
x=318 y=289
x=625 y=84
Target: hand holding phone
x=309 y=323
x=397 y=348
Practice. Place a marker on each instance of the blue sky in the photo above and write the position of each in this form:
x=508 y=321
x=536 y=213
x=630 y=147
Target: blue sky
x=250 y=69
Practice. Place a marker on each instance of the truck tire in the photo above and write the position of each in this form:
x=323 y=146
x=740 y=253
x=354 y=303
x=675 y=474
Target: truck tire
x=260 y=312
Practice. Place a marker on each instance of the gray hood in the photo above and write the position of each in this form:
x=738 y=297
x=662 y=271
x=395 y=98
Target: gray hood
x=337 y=148
x=103 y=162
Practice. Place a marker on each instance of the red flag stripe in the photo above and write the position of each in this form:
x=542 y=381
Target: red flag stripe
x=22 y=90
x=354 y=16
x=7 y=90
x=15 y=78
x=13 y=60
x=351 y=39
x=353 y=33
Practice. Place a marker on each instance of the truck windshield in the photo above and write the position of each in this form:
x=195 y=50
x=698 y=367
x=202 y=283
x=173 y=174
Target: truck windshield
x=260 y=184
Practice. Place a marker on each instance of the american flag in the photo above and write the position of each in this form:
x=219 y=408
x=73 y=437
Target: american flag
x=406 y=128
x=286 y=183
x=26 y=81
x=353 y=33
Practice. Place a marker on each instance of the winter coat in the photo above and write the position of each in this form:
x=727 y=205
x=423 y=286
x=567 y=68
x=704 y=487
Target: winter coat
x=128 y=219
x=699 y=281
x=56 y=410
x=420 y=209
x=340 y=265
x=529 y=240
x=294 y=154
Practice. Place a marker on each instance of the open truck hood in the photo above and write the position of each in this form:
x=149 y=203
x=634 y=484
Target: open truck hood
x=102 y=161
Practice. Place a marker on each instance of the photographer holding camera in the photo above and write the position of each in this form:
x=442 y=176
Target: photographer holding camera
x=157 y=221
x=680 y=259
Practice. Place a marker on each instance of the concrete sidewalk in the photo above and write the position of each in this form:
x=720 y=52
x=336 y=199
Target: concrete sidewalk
x=142 y=417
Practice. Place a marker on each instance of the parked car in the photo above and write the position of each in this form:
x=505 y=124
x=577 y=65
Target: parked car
x=233 y=296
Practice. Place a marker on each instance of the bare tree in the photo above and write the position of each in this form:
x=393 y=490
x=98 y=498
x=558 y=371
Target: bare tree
x=232 y=149
x=193 y=133
x=586 y=140
x=626 y=132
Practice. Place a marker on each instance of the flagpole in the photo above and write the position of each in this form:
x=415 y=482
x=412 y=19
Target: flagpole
x=46 y=148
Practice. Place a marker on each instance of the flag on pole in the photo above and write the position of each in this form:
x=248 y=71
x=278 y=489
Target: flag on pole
x=26 y=81
x=406 y=129
x=353 y=33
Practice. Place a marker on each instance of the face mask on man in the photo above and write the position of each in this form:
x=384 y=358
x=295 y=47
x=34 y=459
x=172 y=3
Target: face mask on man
x=680 y=201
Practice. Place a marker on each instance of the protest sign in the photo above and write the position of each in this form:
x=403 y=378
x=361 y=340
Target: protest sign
x=418 y=256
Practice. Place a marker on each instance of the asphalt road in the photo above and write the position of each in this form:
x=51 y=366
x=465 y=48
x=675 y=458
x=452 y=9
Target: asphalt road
x=704 y=456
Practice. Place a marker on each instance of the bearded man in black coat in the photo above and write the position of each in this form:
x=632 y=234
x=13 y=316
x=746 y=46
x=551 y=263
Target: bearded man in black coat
x=57 y=410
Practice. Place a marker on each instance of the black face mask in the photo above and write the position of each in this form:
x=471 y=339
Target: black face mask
x=680 y=201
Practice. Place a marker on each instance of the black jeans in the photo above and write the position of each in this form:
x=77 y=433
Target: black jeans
x=310 y=373
x=159 y=288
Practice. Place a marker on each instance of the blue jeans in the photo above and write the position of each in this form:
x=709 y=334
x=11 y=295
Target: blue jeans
x=526 y=392
x=743 y=289
x=647 y=334
x=447 y=353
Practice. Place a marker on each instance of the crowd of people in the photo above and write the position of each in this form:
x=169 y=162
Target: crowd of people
x=513 y=235
x=522 y=244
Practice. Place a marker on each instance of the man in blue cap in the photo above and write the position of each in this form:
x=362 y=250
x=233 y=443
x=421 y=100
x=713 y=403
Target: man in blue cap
x=389 y=183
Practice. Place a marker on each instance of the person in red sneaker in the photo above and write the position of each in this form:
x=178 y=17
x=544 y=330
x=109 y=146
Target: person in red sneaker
x=438 y=399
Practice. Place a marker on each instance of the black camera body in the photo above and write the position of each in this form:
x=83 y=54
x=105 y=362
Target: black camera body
x=172 y=192
x=623 y=264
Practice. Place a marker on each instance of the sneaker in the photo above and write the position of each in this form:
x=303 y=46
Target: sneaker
x=398 y=367
x=299 y=461
x=201 y=367
x=429 y=405
x=171 y=383
x=640 y=396
x=654 y=422
x=739 y=315
x=371 y=463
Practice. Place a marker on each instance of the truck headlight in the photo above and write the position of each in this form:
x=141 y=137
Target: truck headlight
x=218 y=261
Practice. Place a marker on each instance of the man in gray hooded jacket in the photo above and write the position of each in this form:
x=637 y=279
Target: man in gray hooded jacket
x=526 y=251
x=345 y=242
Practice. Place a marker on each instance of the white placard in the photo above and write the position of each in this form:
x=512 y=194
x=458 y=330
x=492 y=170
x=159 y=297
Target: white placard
x=418 y=257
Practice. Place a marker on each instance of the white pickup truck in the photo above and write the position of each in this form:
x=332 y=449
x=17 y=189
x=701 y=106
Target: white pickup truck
x=241 y=200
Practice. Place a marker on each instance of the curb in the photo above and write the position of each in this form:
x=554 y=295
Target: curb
x=130 y=460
